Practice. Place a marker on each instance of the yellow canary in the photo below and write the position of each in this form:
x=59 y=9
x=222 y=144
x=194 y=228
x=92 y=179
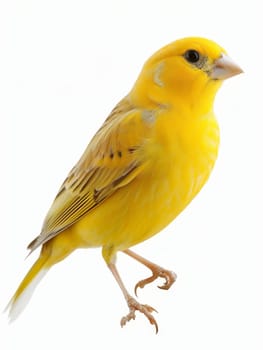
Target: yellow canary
x=145 y=164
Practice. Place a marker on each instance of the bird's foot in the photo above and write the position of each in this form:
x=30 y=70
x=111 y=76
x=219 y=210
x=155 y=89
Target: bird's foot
x=134 y=305
x=157 y=271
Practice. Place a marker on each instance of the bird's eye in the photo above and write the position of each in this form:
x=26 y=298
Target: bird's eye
x=192 y=56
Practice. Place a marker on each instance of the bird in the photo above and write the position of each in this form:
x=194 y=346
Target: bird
x=144 y=165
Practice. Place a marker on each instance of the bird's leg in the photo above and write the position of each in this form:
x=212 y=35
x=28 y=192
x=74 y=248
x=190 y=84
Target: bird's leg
x=132 y=303
x=157 y=271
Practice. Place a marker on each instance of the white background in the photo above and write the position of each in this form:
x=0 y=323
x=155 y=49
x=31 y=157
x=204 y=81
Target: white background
x=63 y=67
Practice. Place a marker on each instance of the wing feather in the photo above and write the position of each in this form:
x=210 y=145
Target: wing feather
x=111 y=160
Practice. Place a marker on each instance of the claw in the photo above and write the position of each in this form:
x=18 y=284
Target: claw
x=134 y=305
x=169 y=277
x=143 y=283
x=157 y=271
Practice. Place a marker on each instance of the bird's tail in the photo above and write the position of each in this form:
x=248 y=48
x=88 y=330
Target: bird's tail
x=26 y=288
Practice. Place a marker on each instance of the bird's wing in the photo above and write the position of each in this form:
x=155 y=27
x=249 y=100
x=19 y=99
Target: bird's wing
x=111 y=161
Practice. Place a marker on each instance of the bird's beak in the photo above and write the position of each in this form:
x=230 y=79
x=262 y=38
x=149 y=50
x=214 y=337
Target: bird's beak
x=224 y=67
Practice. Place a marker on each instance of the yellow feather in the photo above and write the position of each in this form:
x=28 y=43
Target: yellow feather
x=26 y=288
x=145 y=164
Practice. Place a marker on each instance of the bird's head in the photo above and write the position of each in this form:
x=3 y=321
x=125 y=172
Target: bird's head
x=186 y=73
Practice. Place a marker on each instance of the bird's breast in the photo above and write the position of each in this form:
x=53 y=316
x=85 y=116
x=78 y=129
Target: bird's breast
x=182 y=156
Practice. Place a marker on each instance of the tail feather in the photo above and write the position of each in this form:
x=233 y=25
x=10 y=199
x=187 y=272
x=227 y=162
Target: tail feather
x=26 y=288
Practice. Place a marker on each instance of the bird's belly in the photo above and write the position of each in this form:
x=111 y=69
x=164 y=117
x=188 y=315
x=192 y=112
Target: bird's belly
x=142 y=208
